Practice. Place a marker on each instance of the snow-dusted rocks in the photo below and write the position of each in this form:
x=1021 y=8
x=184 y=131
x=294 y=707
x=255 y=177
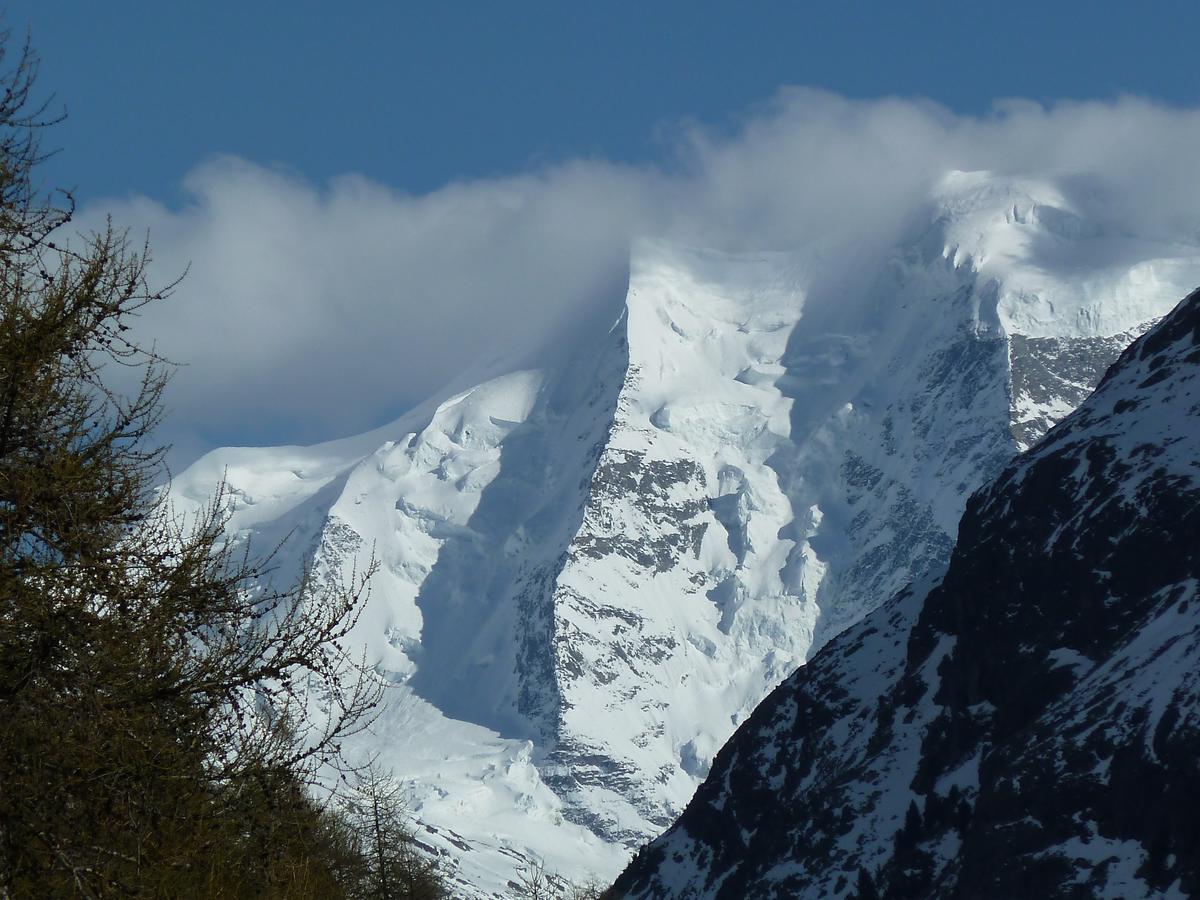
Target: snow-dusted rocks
x=1025 y=728
x=593 y=569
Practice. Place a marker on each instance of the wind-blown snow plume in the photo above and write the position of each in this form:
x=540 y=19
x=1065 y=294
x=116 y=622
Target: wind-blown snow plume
x=312 y=311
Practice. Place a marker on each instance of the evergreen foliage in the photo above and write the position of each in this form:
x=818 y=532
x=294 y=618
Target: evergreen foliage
x=152 y=680
x=392 y=864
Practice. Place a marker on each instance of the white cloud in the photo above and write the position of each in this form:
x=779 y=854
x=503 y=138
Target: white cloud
x=315 y=311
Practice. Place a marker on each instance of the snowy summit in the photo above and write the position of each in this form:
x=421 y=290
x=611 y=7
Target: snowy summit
x=594 y=570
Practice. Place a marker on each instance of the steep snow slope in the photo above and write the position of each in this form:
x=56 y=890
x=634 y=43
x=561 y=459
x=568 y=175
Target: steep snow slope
x=466 y=504
x=592 y=570
x=1026 y=728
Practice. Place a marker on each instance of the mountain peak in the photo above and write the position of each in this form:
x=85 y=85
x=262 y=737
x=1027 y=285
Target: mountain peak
x=592 y=569
x=1060 y=268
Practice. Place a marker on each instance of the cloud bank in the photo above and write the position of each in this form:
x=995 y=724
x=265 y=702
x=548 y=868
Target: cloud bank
x=315 y=311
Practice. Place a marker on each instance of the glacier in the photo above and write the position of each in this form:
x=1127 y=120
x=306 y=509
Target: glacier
x=594 y=567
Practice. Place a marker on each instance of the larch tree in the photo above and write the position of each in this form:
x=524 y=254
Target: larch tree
x=154 y=687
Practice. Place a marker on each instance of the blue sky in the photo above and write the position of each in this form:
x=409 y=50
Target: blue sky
x=417 y=94
x=370 y=198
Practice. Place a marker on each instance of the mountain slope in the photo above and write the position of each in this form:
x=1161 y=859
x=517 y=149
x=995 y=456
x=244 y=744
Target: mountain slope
x=1026 y=727
x=595 y=567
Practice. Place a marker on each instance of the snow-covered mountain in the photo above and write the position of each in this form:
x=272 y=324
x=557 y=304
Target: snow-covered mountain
x=1027 y=727
x=595 y=568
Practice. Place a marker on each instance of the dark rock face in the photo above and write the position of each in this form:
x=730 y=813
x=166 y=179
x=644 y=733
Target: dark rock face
x=1053 y=375
x=628 y=475
x=1030 y=726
